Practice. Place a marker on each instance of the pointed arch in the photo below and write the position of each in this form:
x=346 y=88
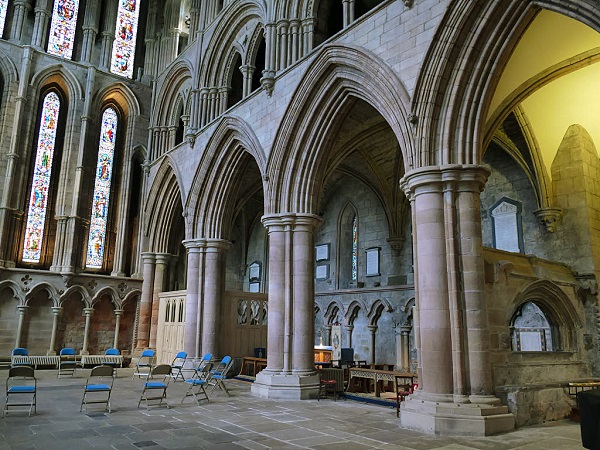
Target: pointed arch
x=109 y=291
x=209 y=202
x=8 y=71
x=334 y=308
x=176 y=83
x=352 y=311
x=299 y=158
x=121 y=94
x=61 y=75
x=76 y=289
x=53 y=294
x=462 y=66
x=378 y=307
x=16 y=290
x=131 y=296
x=164 y=199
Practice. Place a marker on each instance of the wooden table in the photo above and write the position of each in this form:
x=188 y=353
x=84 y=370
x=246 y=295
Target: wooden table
x=378 y=376
x=250 y=362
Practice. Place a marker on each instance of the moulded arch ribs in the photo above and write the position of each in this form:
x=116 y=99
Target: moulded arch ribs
x=334 y=310
x=298 y=162
x=109 y=292
x=163 y=200
x=76 y=290
x=352 y=312
x=120 y=94
x=132 y=296
x=461 y=69
x=63 y=77
x=378 y=307
x=177 y=82
x=8 y=71
x=210 y=201
x=16 y=291
x=50 y=290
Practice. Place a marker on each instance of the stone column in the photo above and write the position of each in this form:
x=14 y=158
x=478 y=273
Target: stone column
x=20 y=12
x=90 y=29
x=291 y=302
x=193 y=310
x=108 y=33
x=88 y=317
x=247 y=72
x=373 y=330
x=56 y=310
x=405 y=347
x=350 y=329
x=40 y=26
x=143 y=337
x=22 y=311
x=348 y=12
x=328 y=334
x=213 y=293
x=160 y=270
x=424 y=188
x=118 y=314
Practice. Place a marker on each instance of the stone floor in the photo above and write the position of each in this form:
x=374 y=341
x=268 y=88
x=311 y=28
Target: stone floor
x=237 y=422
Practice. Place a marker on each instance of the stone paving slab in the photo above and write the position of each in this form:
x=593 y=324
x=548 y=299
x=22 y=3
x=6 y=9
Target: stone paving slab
x=235 y=423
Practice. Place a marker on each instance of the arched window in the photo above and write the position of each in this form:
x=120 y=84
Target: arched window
x=62 y=28
x=123 y=52
x=40 y=185
x=354 y=249
x=99 y=218
x=3 y=8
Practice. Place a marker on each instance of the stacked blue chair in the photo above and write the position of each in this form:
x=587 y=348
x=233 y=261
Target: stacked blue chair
x=21 y=357
x=219 y=374
x=177 y=366
x=108 y=362
x=143 y=368
x=67 y=363
x=198 y=383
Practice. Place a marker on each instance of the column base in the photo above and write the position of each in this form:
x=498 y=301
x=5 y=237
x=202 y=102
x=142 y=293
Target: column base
x=455 y=419
x=286 y=386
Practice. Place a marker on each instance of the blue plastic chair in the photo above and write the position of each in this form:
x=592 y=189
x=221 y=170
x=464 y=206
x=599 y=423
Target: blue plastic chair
x=114 y=364
x=197 y=384
x=156 y=390
x=67 y=363
x=98 y=390
x=145 y=362
x=177 y=366
x=20 y=351
x=21 y=383
x=219 y=374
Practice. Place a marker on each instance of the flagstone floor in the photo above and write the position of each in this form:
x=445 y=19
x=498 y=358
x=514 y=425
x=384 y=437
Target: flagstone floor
x=237 y=422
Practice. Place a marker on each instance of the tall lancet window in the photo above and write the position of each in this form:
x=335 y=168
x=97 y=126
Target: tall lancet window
x=40 y=185
x=98 y=223
x=354 y=248
x=123 y=51
x=3 y=8
x=62 y=29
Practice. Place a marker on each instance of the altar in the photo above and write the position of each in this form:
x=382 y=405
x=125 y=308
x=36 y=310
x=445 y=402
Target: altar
x=323 y=355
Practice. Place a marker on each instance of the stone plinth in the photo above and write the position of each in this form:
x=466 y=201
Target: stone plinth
x=286 y=386
x=458 y=419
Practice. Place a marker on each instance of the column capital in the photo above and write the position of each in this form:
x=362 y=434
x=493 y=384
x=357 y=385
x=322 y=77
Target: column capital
x=163 y=258
x=437 y=179
x=295 y=221
x=22 y=308
x=88 y=311
x=56 y=310
x=148 y=258
x=118 y=312
x=194 y=245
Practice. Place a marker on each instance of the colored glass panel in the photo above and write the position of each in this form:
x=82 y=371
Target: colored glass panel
x=354 y=248
x=40 y=185
x=62 y=29
x=98 y=223
x=3 y=8
x=123 y=51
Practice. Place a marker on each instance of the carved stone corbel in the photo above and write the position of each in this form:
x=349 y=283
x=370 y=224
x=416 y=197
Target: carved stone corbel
x=549 y=218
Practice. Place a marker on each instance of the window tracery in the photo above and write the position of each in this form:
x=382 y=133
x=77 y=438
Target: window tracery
x=40 y=184
x=100 y=201
x=62 y=28
x=123 y=52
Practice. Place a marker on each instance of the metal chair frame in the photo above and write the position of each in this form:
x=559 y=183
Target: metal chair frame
x=219 y=374
x=146 y=361
x=67 y=366
x=21 y=382
x=163 y=370
x=199 y=381
x=177 y=366
x=93 y=388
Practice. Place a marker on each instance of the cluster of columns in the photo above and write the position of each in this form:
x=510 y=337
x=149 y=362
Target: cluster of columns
x=450 y=305
x=290 y=371
x=56 y=312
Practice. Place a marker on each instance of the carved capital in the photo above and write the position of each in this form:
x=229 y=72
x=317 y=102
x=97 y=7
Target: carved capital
x=268 y=81
x=408 y=3
x=549 y=218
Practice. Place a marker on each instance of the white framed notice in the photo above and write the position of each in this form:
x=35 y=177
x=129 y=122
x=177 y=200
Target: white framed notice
x=254 y=271
x=254 y=287
x=372 y=261
x=322 y=272
x=322 y=252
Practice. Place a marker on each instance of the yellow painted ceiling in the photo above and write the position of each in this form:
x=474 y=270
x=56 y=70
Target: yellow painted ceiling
x=572 y=98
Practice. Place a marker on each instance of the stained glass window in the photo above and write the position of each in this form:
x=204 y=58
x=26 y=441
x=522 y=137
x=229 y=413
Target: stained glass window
x=123 y=51
x=354 y=248
x=3 y=8
x=98 y=222
x=62 y=29
x=40 y=185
